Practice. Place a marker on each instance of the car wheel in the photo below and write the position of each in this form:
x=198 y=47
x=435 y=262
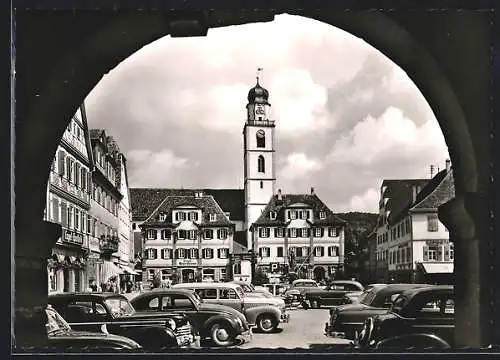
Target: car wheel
x=221 y=335
x=267 y=323
x=315 y=304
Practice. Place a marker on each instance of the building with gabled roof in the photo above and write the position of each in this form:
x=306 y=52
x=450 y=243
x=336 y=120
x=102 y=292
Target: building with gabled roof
x=298 y=232
x=412 y=244
x=187 y=237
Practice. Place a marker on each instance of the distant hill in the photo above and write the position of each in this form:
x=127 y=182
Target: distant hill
x=357 y=224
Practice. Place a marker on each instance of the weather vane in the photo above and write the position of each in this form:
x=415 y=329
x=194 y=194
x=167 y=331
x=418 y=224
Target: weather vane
x=258 y=72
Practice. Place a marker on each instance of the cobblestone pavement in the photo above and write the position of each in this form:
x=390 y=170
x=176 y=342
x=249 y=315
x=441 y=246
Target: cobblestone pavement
x=305 y=330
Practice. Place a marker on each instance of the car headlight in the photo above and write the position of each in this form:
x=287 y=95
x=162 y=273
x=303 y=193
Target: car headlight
x=171 y=324
x=334 y=317
x=239 y=322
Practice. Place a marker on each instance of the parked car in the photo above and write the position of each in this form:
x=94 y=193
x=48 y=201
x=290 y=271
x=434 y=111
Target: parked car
x=346 y=320
x=251 y=290
x=427 y=310
x=277 y=289
x=293 y=295
x=263 y=312
x=220 y=323
x=62 y=338
x=112 y=313
x=333 y=294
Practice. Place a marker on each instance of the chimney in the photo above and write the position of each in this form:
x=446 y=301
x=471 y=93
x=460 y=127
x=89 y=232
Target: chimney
x=312 y=191
x=279 y=195
x=414 y=194
x=432 y=171
x=448 y=165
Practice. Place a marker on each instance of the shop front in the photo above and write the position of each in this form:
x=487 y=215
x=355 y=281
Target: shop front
x=66 y=273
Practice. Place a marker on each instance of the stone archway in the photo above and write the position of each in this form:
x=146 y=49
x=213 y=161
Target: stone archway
x=77 y=53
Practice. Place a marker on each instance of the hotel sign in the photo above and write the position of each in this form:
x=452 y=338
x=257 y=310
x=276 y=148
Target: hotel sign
x=187 y=262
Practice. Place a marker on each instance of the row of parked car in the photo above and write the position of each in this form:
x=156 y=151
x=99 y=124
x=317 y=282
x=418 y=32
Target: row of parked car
x=182 y=316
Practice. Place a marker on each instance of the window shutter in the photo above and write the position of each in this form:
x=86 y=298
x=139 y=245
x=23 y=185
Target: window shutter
x=77 y=174
x=322 y=232
x=219 y=253
x=275 y=232
x=260 y=252
x=218 y=234
x=439 y=253
x=60 y=162
x=330 y=250
x=176 y=216
x=426 y=253
x=64 y=214
x=155 y=254
x=447 y=253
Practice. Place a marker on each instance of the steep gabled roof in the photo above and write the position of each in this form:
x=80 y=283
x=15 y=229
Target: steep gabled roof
x=312 y=200
x=206 y=203
x=438 y=190
x=145 y=200
x=400 y=194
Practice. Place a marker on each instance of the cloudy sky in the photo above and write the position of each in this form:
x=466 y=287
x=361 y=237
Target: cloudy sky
x=347 y=117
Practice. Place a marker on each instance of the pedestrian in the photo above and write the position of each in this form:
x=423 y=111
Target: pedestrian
x=93 y=286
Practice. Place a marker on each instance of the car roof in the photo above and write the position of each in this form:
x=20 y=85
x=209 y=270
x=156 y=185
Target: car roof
x=430 y=288
x=394 y=288
x=83 y=295
x=203 y=285
x=166 y=291
x=303 y=280
x=347 y=282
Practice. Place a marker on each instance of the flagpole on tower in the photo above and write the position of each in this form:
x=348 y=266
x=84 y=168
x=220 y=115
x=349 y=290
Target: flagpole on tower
x=258 y=74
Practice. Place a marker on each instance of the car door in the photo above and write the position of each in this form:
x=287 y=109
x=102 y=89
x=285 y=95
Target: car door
x=228 y=297
x=147 y=304
x=209 y=295
x=182 y=304
x=85 y=315
x=436 y=315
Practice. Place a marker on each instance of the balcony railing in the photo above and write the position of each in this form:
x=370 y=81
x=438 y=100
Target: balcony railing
x=261 y=122
x=62 y=183
x=109 y=244
x=75 y=142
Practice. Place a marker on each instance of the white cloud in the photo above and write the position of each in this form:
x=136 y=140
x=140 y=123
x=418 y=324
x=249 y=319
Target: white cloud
x=388 y=136
x=155 y=168
x=366 y=202
x=298 y=103
x=298 y=165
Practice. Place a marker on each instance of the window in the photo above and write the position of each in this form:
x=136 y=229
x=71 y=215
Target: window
x=292 y=214
x=319 y=251
x=280 y=251
x=208 y=253
x=166 y=253
x=193 y=216
x=134 y=226
x=403 y=255
x=151 y=234
x=207 y=294
x=193 y=253
x=452 y=252
x=432 y=223
x=166 y=234
x=318 y=232
x=272 y=215
x=208 y=234
x=181 y=234
x=237 y=268
x=191 y=234
x=293 y=233
x=264 y=232
x=305 y=232
x=333 y=251
x=226 y=294
x=261 y=138
x=279 y=232
x=162 y=216
x=181 y=253
x=332 y=232
x=222 y=274
x=52 y=280
x=222 y=253
x=322 y=215
x=180 y=216
x=305 y=214
x=261 y=164
x=70 y=217
x=77 y=219
x=264 y=252
x=213 y=217
x=261 y=184
x=151 y=254
x=208 y=275
x=432 y=253
x=222 y=234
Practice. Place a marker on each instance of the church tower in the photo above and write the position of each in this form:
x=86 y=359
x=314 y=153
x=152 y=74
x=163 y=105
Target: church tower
x=259 y=156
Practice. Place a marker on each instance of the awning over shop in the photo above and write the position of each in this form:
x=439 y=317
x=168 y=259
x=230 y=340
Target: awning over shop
x=298 y=224
x=109 y=270
x=187 y=225
x=438 y=268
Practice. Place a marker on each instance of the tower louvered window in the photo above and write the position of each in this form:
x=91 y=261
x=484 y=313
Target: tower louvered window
x=261 y=164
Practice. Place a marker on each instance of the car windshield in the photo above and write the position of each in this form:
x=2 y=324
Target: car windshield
x=119 y=307
x=247 y=288
x=55 y=323
x=367 y=297
x=399 y=304
x=240 y=292
x=198 y=299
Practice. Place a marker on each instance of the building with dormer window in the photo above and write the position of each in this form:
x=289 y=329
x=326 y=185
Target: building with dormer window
x=188 y=237
x=298 y=232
